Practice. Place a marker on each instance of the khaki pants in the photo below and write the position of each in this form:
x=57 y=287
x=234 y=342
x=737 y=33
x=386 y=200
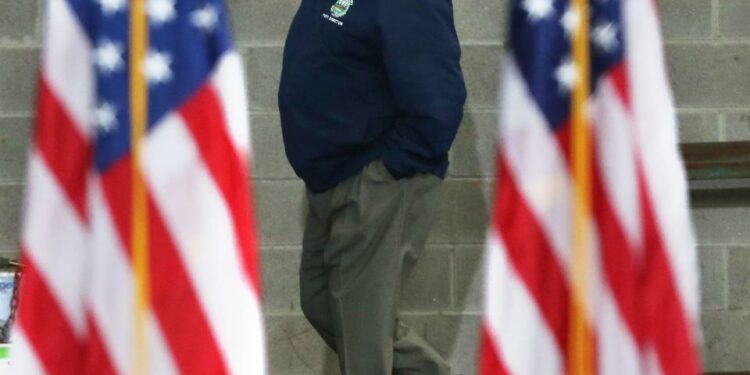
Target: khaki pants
x=362 y=239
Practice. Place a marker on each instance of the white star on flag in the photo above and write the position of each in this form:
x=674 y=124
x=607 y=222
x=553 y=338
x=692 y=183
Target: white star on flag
x=605 y=36
x=156 y=67
x=110 y=7
x=205 y=18
x=108 y=56
x=538 y=9
x=566 y=75
x=105 y=117
x=161 y=11
x=570 y=20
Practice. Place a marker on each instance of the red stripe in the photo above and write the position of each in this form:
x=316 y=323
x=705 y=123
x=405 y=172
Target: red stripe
x=490 y=362
x=668 y=326
x=619 y=76
x=64 y=149
x=620 y=265
x=47 y=329
x=97 y=360
x=621 y=268
x=116 y=189
x=664 y=319
x=205 y=119
x=618 y=254
x=531 y=254
x=174 y=300
x=177 y=306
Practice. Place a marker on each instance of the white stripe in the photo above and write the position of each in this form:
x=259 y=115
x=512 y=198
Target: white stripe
x=657 y=137
x=617 y=351
x=525 y=343
x=66 y=63
x=614 y=133
x=55 y=240
x=111 y=294
x=652 y=365
x=196 y=215
x=24 y=361
x=160 y=360
x=537 y=165
x=229 y=82
x=111 y=297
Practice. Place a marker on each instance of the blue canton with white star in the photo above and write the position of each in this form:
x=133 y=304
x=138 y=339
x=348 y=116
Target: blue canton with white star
x=187 y=37
x=541 y=32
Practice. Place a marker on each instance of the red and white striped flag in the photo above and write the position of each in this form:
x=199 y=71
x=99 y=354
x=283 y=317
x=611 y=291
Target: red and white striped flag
x=139 y=244
x=591 y=265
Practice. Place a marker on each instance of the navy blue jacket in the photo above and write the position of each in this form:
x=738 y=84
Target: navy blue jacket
x=370 y=79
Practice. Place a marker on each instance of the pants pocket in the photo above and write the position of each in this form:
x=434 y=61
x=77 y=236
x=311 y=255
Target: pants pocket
x=376 y=171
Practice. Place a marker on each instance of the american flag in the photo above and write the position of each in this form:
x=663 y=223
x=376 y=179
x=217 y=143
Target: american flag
x=628 y=273
x=118 y=283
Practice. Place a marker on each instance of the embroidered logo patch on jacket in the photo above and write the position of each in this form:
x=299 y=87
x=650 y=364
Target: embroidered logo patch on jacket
x=341 y=7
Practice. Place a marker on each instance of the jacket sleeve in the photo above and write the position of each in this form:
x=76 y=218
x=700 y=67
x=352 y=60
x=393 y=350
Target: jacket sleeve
x=422 y=56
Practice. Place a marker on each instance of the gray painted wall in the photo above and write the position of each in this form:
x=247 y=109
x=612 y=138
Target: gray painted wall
x=708 y=50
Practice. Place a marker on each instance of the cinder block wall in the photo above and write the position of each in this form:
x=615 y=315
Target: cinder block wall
x=708 y=50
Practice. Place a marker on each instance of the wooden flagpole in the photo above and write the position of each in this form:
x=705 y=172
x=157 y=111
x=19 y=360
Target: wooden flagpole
x=139 y=40
x=580 y=341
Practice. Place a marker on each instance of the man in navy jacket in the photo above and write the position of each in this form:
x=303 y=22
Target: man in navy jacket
x=371 y=98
